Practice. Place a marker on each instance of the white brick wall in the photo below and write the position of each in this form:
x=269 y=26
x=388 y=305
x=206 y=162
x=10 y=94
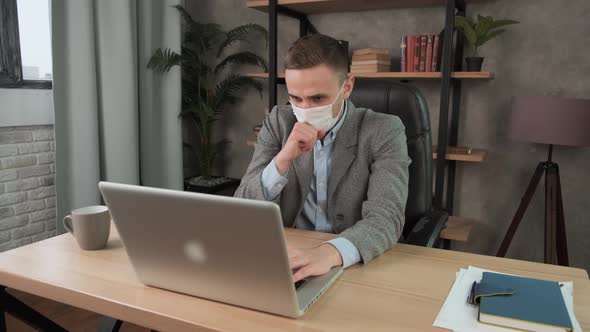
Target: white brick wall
x=27 y=185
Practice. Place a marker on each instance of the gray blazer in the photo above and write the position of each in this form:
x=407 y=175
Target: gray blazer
x=367 y=185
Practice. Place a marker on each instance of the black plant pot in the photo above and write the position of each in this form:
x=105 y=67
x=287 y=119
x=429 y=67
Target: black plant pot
x=474 y=63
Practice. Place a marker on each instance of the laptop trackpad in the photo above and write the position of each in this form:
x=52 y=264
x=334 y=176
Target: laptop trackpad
x=314 y=286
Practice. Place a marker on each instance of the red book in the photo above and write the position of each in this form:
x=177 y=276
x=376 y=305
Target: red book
x=410 y=54
x=404 y=50
x=429 y=45
x=417 y=53
x=423 y=45
x=436 y=53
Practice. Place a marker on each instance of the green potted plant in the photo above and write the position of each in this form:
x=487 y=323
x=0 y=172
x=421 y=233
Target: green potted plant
x=478 y=33
x=208 y=88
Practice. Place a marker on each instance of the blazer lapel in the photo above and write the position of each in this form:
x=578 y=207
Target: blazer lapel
x=344 y=149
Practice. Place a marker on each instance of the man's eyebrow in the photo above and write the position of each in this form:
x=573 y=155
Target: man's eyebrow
x=318 y=95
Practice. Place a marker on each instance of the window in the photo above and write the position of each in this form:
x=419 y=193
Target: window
x=25 y=44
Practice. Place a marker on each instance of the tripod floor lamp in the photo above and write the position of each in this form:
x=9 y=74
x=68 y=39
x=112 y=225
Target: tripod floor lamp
x=552 y=121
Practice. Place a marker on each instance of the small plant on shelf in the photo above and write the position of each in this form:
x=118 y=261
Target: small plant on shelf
x=478 y=33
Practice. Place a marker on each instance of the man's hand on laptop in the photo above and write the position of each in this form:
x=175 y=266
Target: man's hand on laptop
x=301 y=140
x=313 y=261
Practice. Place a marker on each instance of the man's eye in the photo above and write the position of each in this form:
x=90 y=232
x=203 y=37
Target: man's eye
x=316 y=99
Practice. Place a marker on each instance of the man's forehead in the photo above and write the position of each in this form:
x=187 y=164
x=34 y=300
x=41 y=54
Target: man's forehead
x=311 y=81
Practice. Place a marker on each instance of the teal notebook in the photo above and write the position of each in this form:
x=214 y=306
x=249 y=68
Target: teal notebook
x=535 y=305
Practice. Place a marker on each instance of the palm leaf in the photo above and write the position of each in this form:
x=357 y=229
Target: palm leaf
x=164 y=59
x=201 y=35
x=227 y=91
x=242 y=58
x=186 y=16
x=241 y=33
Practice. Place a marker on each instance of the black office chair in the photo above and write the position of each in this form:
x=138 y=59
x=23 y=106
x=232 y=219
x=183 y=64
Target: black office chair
x=423 y=223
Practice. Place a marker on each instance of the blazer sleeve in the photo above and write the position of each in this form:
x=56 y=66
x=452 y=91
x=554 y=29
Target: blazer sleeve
x=268 y=145
x=383 y=211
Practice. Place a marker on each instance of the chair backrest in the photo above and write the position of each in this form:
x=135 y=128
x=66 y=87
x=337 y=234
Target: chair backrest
x=406 y=102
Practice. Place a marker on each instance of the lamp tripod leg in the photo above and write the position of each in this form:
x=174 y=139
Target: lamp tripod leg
x=524 y=203
x=562 y=256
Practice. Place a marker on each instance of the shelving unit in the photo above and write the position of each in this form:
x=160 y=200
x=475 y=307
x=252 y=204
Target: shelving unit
x=451 y=77
x=458 y=229
x=464 y=75
x=477 y=155
x=333 y=6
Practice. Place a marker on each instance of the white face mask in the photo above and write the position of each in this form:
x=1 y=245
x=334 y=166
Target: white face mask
x=319 y=117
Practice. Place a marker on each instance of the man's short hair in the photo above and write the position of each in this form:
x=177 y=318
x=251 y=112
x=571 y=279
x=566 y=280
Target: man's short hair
x=316 y=49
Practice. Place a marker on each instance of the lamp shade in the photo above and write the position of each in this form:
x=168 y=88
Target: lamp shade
x=550 y=120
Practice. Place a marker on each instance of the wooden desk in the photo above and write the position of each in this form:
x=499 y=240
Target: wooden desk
x=402 y=290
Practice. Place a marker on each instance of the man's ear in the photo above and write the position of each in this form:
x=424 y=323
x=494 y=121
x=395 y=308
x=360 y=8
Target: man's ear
x=348 y=86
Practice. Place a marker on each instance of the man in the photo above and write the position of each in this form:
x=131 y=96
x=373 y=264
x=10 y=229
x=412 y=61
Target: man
x=332 y=167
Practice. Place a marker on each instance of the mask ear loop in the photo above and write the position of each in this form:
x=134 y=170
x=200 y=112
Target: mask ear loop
x=343 y=100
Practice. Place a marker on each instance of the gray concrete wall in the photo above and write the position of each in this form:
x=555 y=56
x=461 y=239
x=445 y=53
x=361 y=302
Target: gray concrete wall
x=545 y=54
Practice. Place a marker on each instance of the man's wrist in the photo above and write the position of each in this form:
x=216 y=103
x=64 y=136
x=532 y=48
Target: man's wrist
x=333 y=254
x=282 y=163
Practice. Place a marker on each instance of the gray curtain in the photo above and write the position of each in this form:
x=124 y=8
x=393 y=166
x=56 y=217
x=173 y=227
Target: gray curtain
x=114 y=119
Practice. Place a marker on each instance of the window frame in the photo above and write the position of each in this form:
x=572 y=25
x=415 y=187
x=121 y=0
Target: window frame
x=11 y=71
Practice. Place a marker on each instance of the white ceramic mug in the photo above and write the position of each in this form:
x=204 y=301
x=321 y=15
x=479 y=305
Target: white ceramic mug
x=90 y=226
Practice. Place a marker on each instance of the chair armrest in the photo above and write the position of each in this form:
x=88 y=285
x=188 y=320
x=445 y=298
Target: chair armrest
x=426 y=231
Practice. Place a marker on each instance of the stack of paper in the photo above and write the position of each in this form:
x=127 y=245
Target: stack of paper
x=458 y=315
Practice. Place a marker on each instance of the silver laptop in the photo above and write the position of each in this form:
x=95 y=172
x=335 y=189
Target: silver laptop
x=225 y=249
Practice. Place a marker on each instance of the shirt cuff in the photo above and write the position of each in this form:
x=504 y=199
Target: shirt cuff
x=348 y=251
x=272 y=181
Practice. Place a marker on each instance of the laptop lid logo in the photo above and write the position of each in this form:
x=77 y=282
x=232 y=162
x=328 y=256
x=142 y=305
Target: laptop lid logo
x=195 y=251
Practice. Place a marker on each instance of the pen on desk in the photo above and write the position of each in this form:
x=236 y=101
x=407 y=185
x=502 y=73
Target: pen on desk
x=471 y=298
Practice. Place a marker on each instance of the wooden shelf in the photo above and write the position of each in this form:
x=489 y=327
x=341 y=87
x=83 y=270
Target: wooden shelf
x=477 y=155
x=458 y=229
x=333 y=6
x=484 y=75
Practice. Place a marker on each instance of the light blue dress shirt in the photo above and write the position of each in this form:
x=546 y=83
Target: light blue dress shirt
x=316 y=204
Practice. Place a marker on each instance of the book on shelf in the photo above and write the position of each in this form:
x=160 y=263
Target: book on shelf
x=417 y=47
x=369 y=68
x=456 y=149
x=429 y=47
x=410 y=54
x=370 y=62
x=436 y=52
x=403 y=47
x=371 y=50
x=421 y=53
x=423 y=49
x=371 y=56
